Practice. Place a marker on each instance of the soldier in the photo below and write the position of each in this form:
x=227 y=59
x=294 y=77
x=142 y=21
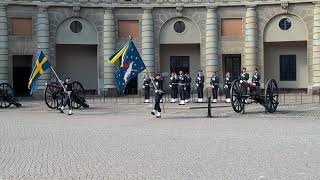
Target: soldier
x=182 y=87
x=173 y=84
x=244 y=76
x=256 y=78
x=146 y=87
x=200 y=85
x=161 y=84
x=158 y=96
x=215 y=86
x=188 y=87
x=227 y=86
x=66 y=96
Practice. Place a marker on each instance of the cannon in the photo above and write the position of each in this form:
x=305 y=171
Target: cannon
x=54 y=95
x=7 y=97
x=243 y=91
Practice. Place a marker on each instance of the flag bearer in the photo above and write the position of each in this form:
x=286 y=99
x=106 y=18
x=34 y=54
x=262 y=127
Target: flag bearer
x=66 y=96
x=227 y=87
x=158 y=96
x=215 y=86
x=200 y=85
x=146 y=87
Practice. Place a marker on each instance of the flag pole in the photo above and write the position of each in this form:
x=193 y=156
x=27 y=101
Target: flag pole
x=64 y=89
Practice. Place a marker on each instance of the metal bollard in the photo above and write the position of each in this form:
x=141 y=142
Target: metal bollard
x=209 y=107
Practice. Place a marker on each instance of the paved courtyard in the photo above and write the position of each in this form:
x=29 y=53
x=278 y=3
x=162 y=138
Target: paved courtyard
x=120 y=141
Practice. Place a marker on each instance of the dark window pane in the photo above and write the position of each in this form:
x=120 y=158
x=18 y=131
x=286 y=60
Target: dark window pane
x=76 y=26
x=179 y=26
x=178 y=63
x=288 y=71
x=285 y=24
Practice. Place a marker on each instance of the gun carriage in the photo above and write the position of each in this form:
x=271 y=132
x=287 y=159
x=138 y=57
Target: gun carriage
x=7 y=97
x=243 y=92
x=54 y=95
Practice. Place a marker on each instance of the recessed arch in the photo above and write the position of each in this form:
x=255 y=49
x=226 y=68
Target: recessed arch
x=297 y=32
x=87 y=34
x=190 y=35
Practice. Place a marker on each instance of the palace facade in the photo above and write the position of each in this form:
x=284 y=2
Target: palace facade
x=280 y=38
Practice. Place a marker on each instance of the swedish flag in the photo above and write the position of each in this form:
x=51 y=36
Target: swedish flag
x=40 y=67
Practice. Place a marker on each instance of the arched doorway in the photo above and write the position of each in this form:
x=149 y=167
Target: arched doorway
x=285 y=51
x=76 y=52
x=179 y=47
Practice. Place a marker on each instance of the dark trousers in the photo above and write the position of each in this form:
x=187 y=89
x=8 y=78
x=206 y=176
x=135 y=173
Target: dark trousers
x=157 y=102
x=67 y=100
x=182 y=92
x=200 y=91
x=215 y=92
x=172 y=93
x=227 y=92
x=175 y=91
x=188 y=92
x=146 y=92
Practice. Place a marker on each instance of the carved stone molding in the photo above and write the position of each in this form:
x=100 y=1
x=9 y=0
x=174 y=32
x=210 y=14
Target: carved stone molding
x=76 y=11
x=285 y=6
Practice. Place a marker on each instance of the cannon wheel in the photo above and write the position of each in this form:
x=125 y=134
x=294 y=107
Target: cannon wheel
x=6 y=94
x=53 y=96
x=237 y=100
x=78 y=95
x=271 y=96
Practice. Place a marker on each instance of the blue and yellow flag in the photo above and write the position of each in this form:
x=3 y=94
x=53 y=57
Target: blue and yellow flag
x=40 y=67
x=112 y=59
x=131 y=66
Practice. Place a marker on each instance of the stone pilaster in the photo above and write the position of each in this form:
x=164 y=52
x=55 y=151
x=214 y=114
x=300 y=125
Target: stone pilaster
x=42 y=36
x=3 y=45
x=250 y=52
x=211 y=43
x=108 y=48
x=147 y=40
x=316 y=46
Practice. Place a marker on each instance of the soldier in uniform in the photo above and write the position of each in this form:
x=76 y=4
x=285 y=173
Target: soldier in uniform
x=200 y=85
x=244 y=76
x=146 y=87
x=173 y=84
x=215 y=86
x=182 y=87
x=256 y=78
x=161 y=84
x=188 y=88
x=66 y=96
x=227 y=86
x=158 y=96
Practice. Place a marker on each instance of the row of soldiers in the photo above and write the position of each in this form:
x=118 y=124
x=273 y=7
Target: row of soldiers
x=180 y=85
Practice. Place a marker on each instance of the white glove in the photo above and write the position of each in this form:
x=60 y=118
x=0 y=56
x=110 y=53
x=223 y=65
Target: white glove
x=184 y=88
x=60 y=81
x=170 y=85
x=197 y=84
x=212 y=86
x=225 y=86
x=143 y=87
x=156 y=91
x=241 y=81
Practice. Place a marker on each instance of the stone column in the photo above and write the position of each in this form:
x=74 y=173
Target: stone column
x=42 y=34
x=147 y=40
x=3 y=45
x=250 y=51
x=108 y=48
x=211 y=43
x=316 y=46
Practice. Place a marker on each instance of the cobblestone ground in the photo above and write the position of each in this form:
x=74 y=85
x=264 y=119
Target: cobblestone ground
x=121 y=141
